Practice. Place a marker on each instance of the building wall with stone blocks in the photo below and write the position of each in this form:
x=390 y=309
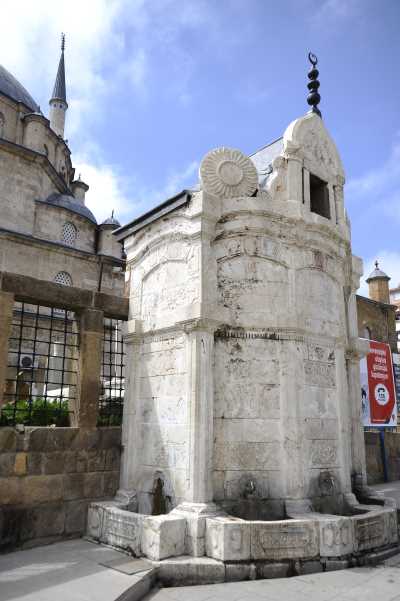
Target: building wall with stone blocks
x=85 y=270
x=374 y=456
x=33 y=131
x=48 y=477
x=163 y=419
x=377 y=321
x=12 y=125
x=164 y=279
x=21 y=182
x=258 y=276
x=49 y=225
x=40 y=199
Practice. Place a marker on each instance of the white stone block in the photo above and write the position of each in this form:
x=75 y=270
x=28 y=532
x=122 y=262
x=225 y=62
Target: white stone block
x=228 y=539
x=163 y=536
x=189 y=571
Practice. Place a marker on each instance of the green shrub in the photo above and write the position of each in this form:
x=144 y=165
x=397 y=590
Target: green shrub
x=37 y=412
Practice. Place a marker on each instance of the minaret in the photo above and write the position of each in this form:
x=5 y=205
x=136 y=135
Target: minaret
x=58 y=101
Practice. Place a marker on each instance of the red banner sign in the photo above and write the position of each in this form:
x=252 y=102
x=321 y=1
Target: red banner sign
x=377 y=387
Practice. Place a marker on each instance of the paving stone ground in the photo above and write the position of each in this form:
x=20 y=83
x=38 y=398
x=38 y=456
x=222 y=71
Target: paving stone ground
x=74 y=571
x=66 y=571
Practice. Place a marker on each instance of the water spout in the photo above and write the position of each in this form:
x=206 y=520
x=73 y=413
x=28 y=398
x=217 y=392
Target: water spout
x=249 y=489
x=326 y=483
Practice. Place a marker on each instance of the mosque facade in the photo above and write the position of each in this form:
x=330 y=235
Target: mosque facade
x=46 y=229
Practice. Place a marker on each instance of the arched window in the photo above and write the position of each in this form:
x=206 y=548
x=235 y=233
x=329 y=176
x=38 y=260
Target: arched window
x=69 y=233
x=2 y=124
x=64 y=278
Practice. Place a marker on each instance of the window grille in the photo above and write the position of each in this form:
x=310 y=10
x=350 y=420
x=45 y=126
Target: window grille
x=42 y=367
x=64 y=278
x=69 y=233
x=112 y=375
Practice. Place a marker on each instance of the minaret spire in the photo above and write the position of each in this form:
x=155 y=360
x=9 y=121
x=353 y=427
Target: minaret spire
x=58 y=101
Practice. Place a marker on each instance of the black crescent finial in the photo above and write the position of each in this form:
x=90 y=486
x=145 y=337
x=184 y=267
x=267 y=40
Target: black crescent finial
x=62 y=42
x=313 y=97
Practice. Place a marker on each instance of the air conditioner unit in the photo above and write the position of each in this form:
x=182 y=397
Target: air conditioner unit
x=28 y=361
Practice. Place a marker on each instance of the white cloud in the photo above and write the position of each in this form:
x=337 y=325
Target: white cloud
x=378 y=181
x=178 y=181
x=109 y=46
x=334 y=10
x=30 y=47
x=389 y=262
x=105 y=192
x=379 y=188
x=109 y=189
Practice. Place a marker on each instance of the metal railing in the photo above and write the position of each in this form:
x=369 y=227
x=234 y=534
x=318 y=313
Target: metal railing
x=112 y=375
x=42 y=366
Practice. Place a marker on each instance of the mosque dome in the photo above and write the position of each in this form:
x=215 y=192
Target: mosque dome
x=11 y=87
x=65 y=201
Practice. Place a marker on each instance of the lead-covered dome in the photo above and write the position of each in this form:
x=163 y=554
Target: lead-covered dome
x=10 y=87
x=65 y=201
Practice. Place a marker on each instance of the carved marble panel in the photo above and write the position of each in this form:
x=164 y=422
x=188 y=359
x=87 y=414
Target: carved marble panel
x=284 y=540
x=323 y=453
x=123 y=529
x=369 y=531
x=320 y=374
x=336 y=537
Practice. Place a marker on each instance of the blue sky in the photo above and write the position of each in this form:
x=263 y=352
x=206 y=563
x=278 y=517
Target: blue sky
x=155 y=84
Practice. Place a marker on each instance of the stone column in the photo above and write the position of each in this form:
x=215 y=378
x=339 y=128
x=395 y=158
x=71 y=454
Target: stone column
x=339 y=200
x=294 y=178
x=198 y=503
x=90 y=355
x=353 y=356
x=131 y=434
x=306 y=189
x=6 y=315
x=200 y=349
x=356 y=349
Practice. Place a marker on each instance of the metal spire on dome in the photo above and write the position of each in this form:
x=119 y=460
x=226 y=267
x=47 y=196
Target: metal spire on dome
x=59 y=92
x=313 y=97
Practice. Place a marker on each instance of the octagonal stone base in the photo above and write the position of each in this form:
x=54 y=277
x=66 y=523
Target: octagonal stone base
x=306 y=542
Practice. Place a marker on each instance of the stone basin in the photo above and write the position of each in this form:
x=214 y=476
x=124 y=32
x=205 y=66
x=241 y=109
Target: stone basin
x=309 y=536
x=256 y=509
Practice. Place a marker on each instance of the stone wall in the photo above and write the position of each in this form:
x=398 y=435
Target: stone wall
x=374 y=456
x=48 y=477
x=379 y=318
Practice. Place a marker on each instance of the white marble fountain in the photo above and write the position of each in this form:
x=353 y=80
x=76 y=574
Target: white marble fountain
x=242 y=437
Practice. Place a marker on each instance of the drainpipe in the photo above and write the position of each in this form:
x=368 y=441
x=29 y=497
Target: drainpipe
x=100 y=275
